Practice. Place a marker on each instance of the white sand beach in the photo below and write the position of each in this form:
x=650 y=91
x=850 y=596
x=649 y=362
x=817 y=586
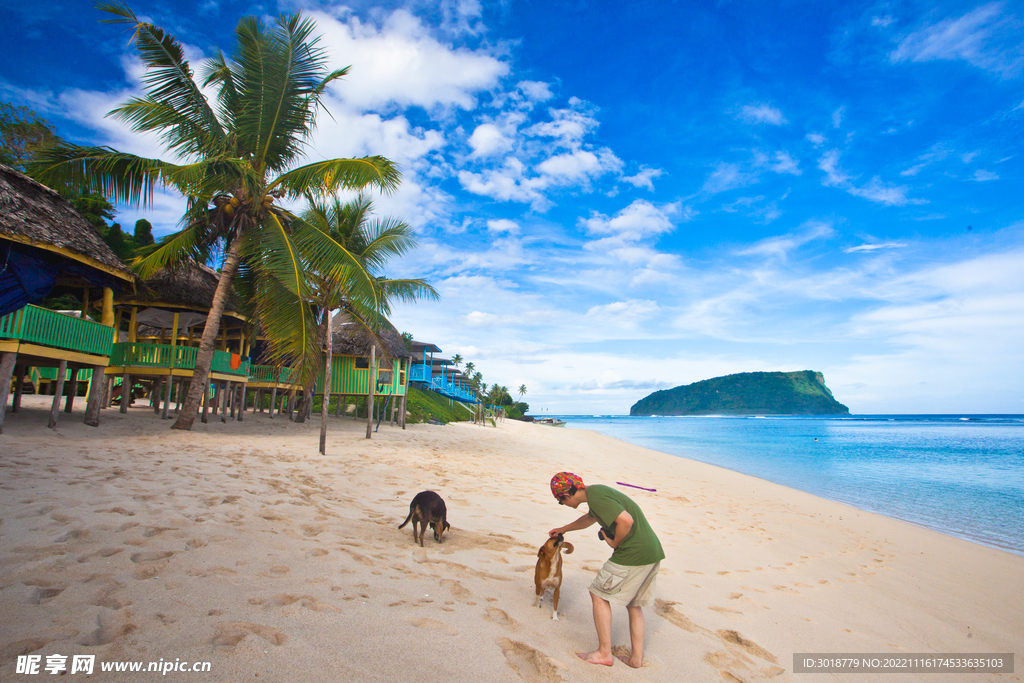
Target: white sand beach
x=238 y=544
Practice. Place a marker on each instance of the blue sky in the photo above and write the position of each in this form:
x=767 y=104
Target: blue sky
x=618 y=198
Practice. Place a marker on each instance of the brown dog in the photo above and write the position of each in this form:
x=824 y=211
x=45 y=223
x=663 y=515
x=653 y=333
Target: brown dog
x=549 y=569
x=427 y=508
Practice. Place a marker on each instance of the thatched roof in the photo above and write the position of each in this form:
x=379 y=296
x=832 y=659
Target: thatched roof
x=31 y=213
x=353 y=339
x=188 y=285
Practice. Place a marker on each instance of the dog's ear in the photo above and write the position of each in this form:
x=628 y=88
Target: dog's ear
x=567 y=548
x=540 y=553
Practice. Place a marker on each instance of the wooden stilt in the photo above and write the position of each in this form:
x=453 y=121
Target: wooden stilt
x=182 y=384
x=58 y=394
x=273 y=400
x=206 y=403
x=95 y=400
x=291 y=405
x=19 y=385
x=225 y=395
x=155 y=393
x=169 y=384
x=72 y=390
x=7 y=362
x=369 y=394
x=126 y=392
x=234 y=398
x=241 y=406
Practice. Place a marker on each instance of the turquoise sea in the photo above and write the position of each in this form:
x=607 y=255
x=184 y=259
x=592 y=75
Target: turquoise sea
x=959 y=474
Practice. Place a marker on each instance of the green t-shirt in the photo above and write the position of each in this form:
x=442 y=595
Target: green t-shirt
x=641 y=546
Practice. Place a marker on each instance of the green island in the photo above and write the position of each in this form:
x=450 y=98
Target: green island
x=747 y=393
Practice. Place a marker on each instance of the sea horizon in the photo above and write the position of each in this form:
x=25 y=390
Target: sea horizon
x=960 y=474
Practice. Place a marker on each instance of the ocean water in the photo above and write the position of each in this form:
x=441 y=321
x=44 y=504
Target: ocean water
x=959 y=474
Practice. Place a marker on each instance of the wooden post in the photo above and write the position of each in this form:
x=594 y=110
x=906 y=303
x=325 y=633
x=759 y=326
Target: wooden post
x=291 y=404
x=369 y=393
x=108 y=385
x=7 y=363
x=107 y=315
x=19 y=386
x=133 y=325
x=85 y=303
x=165 y=413
x=224 y=402
x=241 y=406
x=273 y=400
x=337 y=408
x=72 y=390
x=170 y=367
x=206 y=402
x=126 y=391
x=177 y=395
x=95 y=400
x=154 y=394
x=55 y=408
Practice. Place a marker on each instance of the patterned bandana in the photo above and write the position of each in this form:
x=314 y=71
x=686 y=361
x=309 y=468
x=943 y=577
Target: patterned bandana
x=562 y=482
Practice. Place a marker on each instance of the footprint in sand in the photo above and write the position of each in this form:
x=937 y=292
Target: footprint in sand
x=109 y=627
x=41 y=595
x=531 y=664
x=748 y=645
x=665 y=609
x=151 y=556
x=434 y=625
x=499 y=616
x=459 y=592
x=231 y=633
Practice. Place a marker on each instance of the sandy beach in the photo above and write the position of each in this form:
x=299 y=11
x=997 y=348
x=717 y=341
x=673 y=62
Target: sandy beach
x=239 y=545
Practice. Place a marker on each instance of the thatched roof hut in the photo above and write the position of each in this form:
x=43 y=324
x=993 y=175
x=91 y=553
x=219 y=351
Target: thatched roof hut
x=44 y=242
x=353 y=339
x=188 y=285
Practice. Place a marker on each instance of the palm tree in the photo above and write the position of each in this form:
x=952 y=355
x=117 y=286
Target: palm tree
x=470 y=367
x=237 y=158
x=457 y=360
x=522 y=390
x=358 y=287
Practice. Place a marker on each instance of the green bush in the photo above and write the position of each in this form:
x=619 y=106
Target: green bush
x=423 y=405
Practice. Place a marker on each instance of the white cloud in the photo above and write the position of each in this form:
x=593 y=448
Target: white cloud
x=784 y=163
x=875 y=246
x=488 y=140
x=536 y=91
x=981 y=175
x=637 y=221
x=779 y=247
x=816 y=138
x=502 y=225
x=644 y=178
x=725 y=177
x=762 y=113
x=875 y=190
x=983 y=38
x=837 y=117
x=400 y=63
x=623 y=316
x=882 y=21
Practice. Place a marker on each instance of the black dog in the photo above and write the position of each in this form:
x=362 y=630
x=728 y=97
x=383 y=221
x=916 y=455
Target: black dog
x=427 y=508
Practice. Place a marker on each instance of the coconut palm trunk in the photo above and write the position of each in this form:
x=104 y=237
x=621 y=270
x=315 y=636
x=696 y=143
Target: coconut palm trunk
x=204 y=355
x=327 y=386
x=306 y=403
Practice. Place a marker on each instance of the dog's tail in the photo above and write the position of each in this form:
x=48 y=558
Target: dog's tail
x=567 y=548
x=406 y=519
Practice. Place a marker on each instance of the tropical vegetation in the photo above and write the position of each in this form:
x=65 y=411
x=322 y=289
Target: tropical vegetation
x=233 y=161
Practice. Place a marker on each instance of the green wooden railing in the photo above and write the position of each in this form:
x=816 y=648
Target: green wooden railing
x=346 y=378
x=50 y=328
x=269 y=374
x=137 y=355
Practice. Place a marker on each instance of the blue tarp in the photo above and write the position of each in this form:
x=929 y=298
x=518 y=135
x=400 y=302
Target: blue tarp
x=28 y=274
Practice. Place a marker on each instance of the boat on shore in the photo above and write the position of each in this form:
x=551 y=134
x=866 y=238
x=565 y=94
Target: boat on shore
x=551 y=421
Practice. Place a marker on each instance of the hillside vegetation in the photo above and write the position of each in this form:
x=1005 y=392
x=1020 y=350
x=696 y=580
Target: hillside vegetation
x=747 y=393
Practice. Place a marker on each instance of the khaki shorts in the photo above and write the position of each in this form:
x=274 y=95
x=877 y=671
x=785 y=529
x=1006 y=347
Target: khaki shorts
x=629 y=586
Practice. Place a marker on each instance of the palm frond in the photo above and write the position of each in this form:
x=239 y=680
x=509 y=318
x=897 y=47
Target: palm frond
x=327 y=177
x=168 y=81
x=124 y=178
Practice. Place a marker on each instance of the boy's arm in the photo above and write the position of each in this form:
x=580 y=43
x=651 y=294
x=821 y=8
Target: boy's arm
x=623 y=523
x=581 y=523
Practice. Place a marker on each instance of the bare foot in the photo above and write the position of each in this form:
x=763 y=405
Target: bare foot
x=594 y=658
x=628 y=662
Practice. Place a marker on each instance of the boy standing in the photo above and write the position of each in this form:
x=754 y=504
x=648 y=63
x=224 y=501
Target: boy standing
x=628 y=577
